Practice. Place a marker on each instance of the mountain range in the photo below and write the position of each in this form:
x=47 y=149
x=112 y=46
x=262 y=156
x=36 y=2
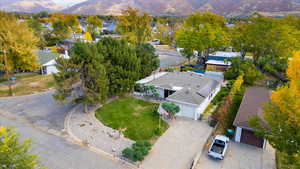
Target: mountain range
x=159 y=7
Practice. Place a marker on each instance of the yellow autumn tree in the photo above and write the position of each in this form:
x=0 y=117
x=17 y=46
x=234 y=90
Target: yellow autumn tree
x=88 y=36
x=134 y=25
x=281 y=123
x=17 y=44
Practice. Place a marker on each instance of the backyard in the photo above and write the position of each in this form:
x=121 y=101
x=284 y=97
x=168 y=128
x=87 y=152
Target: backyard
x=27 y=83
x=138 y=118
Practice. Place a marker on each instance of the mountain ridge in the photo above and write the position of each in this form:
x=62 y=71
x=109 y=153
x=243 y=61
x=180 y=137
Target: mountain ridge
x=158 y=7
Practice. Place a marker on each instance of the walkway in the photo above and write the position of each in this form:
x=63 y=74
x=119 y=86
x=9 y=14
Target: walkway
x=85 y=127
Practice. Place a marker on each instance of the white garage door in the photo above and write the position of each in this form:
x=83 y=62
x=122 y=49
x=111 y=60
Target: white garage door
x=186 y=111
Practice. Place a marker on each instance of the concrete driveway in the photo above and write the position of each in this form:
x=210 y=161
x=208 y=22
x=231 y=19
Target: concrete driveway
x=178 y=146
x=169 y=58
x=241 y=156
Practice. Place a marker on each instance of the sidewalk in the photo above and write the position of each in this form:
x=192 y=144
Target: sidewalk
x=88 y=130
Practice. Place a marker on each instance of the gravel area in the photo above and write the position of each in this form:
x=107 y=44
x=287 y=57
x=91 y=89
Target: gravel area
x=87 y=128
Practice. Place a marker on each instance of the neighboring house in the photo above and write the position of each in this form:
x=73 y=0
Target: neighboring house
x=108 y=27
x=190 y=91
x=252 y=105
x=47 y=61
x=218 y=60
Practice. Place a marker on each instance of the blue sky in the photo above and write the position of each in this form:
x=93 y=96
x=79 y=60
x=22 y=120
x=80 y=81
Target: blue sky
x=67 y=2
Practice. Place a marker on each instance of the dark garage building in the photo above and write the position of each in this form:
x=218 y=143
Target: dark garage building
x=252 y=105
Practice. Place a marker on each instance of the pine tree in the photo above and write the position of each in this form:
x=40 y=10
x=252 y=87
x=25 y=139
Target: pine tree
x=82 y=77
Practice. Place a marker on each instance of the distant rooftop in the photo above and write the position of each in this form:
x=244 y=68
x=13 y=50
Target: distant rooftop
x=225 y=54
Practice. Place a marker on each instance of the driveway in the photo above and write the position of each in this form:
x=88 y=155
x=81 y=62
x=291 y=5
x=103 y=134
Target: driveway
x=40 y=110
x=169 y=58
x=241 y=156
x=177 y=147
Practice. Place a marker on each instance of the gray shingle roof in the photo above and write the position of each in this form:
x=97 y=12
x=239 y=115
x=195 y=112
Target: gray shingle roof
x=195 y=87
x=45 y=56
x=252 y=105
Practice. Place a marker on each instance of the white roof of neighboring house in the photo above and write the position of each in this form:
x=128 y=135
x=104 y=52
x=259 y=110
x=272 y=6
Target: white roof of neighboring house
x=225 y=54
x=218 y=62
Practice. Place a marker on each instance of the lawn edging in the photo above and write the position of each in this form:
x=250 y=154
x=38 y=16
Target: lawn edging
x=97 y=150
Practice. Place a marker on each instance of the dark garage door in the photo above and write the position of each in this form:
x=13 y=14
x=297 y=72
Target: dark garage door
x=248 y=137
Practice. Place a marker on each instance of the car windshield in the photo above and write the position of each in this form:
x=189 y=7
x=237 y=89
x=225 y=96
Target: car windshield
x=218 y=146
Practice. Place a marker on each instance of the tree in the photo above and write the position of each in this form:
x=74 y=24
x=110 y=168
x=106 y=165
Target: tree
x=245 y=67
x=38 y=30
x=88 y=36
x=94 y=23
x=281 y=119
x=17 y=42
x=15 y=154
x=203 y=32
x=82 y=78
x=269 y=41
x=122 y=65
x=60 y=31
x=188 y=53
x=171 y=108
x=148 y=58
x=134 y=26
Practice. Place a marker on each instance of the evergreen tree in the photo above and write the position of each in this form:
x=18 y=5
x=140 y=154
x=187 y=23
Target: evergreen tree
x=82 y=78
x=148 y=58
x=122 y=65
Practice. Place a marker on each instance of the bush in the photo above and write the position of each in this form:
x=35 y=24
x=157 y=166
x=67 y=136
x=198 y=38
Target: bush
x=138 y=151
x=246 y=67
x=221 y=94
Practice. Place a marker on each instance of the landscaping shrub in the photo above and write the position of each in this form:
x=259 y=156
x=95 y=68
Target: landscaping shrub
x=221 y=94
x=137 y=151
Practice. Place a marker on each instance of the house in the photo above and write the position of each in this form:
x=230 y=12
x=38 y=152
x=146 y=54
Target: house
x=252 y=105
x=192 y=92
x=47 y=61
x=218 y=60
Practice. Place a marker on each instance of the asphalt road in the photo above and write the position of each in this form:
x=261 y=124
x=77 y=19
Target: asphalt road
x=169 y=58
x=33 y=116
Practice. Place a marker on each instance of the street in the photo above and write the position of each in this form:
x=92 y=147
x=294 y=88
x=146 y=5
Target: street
x=35 y=116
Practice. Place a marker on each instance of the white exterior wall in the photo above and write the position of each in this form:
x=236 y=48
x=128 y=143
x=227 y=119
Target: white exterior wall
x=238 y=134
x=161 y=92
x=51 y=69
x=201 y=108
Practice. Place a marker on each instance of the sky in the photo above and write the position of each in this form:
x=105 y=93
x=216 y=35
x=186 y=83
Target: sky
x=67 y=2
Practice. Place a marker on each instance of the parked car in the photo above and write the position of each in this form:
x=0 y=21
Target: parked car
x=218 y=148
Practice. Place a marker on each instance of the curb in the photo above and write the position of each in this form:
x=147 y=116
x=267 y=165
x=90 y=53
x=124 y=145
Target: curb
x=78 y=141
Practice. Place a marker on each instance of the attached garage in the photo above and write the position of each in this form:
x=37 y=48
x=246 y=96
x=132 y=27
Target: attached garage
x=253 y=101
x=248 y=137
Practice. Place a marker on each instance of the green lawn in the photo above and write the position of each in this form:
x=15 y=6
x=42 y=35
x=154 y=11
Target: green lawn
x=137 y=116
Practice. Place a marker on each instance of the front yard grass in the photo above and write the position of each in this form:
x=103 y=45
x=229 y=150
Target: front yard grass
x=28 y=83
x=138 y=117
